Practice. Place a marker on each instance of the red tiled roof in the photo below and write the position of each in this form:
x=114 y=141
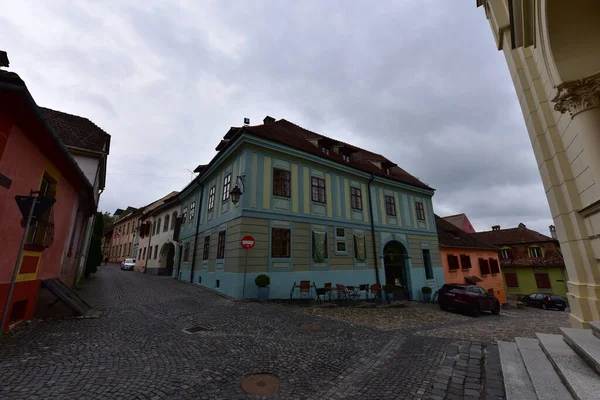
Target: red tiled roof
x=75 y=131
x=457 y=220
x=451 y=236
x=548 y=260
x=518 y=235
x=292 y=135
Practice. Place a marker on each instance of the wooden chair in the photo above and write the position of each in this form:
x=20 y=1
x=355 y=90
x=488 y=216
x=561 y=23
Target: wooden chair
x=375 y=290
x=328 y=290
x=305 y=290
x=320 y=293
x=342 y=292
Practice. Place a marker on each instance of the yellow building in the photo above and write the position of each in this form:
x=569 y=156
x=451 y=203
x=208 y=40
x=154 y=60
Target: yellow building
x=556 y=72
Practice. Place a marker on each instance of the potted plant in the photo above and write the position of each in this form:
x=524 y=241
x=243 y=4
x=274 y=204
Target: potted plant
x=263 y=281
x=426 y=290
x=389 y=290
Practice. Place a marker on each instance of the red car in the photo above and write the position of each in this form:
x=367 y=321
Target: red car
x=471 y=298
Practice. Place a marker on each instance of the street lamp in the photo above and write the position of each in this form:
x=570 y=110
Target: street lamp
x=236 y=192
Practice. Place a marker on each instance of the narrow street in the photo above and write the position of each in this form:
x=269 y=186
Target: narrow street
x=137 y=349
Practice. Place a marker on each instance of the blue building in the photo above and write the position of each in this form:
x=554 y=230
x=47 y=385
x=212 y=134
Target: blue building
x=319 y=210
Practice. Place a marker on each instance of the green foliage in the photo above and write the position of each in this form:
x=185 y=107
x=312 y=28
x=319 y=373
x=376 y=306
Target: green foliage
x=107 y=219
x=262 y=280
x=94 y=257
x=426 y=290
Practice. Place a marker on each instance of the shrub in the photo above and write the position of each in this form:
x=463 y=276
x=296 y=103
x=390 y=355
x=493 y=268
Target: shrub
x=262 y=280
x=426 y=290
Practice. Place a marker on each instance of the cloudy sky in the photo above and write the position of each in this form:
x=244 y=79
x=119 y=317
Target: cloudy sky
x=418 y=81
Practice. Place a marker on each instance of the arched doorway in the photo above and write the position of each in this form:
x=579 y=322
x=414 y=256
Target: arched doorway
x=394 y=261
x=167 y=259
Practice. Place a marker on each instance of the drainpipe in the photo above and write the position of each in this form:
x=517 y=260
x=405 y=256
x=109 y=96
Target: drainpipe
x=196 y=234
x=149 y=247
x=373 y=231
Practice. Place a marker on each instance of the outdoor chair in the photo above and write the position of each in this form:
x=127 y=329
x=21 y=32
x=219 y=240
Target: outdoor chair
x=375 y=290
x=353 y=293
x=365 y=289
x=320 y=293
x=305 y=290
x=328 y=289
x=342 y=292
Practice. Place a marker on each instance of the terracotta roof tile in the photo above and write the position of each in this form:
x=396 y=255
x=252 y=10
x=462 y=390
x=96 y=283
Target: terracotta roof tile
x=75 y=131
x=457 y=220
x=292 y=135
x=520 y=234
x=451 y=236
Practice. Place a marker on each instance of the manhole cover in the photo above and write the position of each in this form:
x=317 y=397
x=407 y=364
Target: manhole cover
x=196 y=329
x=260 y=384
x=311 y=327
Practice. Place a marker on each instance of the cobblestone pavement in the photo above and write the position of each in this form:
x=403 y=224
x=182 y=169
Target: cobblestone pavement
x=137 y=349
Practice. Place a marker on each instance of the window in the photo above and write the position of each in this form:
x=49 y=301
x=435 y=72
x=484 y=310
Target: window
x=505 y=254
x=173 y=219
x=390 y=206
x=420 y=211
x=340 y=240
x=484 y=266
x=221 y=245
x=453 y=262
x=41 y=231
x=318 y=190
x=206 y=249
x=155 y=252
x=129 y=252
x=355 y=198
x=127 y=229
x=157 y=226
x=535 y=252
x=465 y=261
x=511 y=279
x=280 y=243
x=542 y=280
x=319 y=246
x=494 y=266
x=226 y=187
x=192 y=210
x=211 y=199
x=360 y=248
x=186 y=251
x=281 y=183
x=427 y=263
x=166 y=228
x=184 y=216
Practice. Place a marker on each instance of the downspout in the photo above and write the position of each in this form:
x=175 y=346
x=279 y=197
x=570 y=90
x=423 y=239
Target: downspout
x=149 y=247
x=373 y=231
x=196 y=234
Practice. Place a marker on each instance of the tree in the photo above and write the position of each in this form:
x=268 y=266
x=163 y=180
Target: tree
x=108 y=219
x=95 y=253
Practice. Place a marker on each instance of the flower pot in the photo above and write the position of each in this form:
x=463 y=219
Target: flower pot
x=427 y=297
x=263 y=294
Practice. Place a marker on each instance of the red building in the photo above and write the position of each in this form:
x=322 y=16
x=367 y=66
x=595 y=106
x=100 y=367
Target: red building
x=32 y=157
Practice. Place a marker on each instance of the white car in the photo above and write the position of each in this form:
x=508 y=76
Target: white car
x=128 y=264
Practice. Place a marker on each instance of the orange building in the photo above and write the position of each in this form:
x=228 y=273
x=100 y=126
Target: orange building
x=467 y=259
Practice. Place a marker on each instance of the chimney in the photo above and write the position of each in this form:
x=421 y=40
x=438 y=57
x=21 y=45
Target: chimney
x=268 y=120
x=496 y=227
x=522 y=225
x=246 y=121
x=3 y=59
x=553 y=232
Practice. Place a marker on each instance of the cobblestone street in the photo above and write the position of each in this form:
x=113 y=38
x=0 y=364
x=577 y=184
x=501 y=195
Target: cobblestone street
x=138 y=349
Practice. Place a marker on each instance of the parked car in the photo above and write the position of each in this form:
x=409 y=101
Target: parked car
x=470 y=298
x=128 y=264
x=545 y=301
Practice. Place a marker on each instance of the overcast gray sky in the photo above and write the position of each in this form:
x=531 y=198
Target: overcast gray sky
x=419 y=81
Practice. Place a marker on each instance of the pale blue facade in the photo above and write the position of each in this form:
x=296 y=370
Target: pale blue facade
x=403 y=242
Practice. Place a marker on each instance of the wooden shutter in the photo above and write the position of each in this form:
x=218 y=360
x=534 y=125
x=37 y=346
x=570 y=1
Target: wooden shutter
x=494 y=266
x=511 y=279
x=484 y=266
x=465 y=261
x=542 y=280
x=453 y=262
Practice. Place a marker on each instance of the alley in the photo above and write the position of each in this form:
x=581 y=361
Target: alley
x=138 y=349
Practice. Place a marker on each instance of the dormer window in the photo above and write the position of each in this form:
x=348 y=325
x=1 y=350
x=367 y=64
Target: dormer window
x=346 y=158
x=387 y=171
x=326 y=151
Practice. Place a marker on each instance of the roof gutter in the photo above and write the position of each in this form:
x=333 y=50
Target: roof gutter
x=196 y=233
x=373 y=231
x=36 y=110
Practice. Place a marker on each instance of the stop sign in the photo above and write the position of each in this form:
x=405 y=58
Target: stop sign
x=247 y=242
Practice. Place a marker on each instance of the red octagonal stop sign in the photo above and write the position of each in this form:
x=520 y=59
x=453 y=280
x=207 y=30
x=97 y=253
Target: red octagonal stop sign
x=247 y=242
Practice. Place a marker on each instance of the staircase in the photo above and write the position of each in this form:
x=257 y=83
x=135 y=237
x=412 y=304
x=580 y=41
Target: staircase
x=553 y=367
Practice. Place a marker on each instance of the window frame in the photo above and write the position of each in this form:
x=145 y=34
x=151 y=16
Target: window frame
x=427 y=264
x=186 y=252
x=505 y=254
x=315 y=183
x=546 y=277
x=221 y=245
x=340 y=239
x=420 y=211
x=453 y=262
x=390 y=206
x=206 y=248
x=356 y=198
x=192 y=211
x=183 y=216
x=314 y=247
x=484 y=262
x=280 y=178
x=173 y=220
x=166 y=222
x=212 y=192
x=283 y=247
x=531 y=249
x=464 y=257
x=509 y=281
x=156 y=252
x=494 y=266
x=226 y=187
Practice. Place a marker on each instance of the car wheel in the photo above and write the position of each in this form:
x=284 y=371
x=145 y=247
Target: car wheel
x=476 y=310
x=544 y=307
x=496 y=310
x=443 y=307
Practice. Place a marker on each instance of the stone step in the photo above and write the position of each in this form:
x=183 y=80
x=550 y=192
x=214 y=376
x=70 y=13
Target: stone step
x=595 y=326
x=581 y=380
x=585 y=343
x=517 y=384
x=546 y=382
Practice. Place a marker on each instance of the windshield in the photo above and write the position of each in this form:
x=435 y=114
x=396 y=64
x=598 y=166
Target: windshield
x=130 y=260
x=554 y=297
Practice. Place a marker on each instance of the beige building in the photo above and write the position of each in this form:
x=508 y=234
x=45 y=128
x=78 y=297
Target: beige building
x=553 y=53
